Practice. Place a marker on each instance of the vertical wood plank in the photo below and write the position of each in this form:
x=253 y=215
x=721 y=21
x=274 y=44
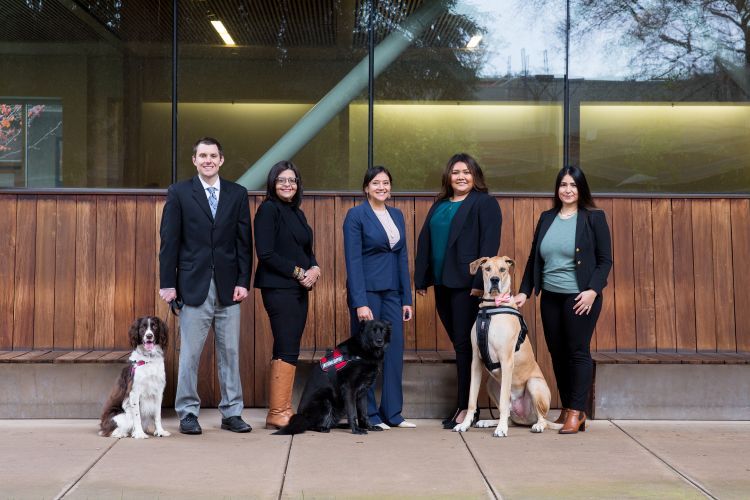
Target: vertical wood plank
x=605 y=337
x=263 y=336
x=406 y=205
x=125 y=249
x=705 y=312
x=425 y=316
x=740 y=252
x=23 y=305
x=666 y=333
x=146 y=257
x=65 y=273
x=643 y=273
x=723 y=287
x=342 y=204
x=106 y=226
x=85 y=304
x=507 y=233
x=684 y=275
x=8 y=205
x=622 y=254
x=44 y=275
x=524 y=225
x=310 y=334
x=247 y=332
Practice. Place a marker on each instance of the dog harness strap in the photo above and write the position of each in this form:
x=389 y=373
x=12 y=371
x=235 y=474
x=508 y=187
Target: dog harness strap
x=483 y=329
x=484 y=318
x=135 y=364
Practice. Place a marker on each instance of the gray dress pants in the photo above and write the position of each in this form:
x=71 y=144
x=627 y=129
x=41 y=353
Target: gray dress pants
x=194 y=325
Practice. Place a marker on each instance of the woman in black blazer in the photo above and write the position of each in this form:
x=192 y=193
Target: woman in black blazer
x=462 y=225
x=570 y=259
x=287 y=270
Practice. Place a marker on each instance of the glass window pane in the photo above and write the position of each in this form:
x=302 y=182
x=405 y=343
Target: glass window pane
x=660 y=100
x=482 y=77
x=81 y=74
x=260 y=95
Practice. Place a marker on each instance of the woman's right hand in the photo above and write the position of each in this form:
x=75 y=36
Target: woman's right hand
x=422 y=292
x=364 y=313
x=520 y=299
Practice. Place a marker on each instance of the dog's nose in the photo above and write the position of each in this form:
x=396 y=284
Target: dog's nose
x=494 y=280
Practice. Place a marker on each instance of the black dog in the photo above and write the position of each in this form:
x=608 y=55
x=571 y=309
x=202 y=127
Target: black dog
x=338 y=386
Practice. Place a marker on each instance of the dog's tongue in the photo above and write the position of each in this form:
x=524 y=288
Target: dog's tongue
x=149 y=346
x=503 y=299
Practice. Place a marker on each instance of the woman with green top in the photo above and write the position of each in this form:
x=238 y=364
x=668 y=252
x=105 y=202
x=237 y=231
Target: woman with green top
x=462 y=226
x=570 y=259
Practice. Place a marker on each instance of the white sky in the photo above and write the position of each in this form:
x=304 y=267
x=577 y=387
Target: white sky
x=513 y=29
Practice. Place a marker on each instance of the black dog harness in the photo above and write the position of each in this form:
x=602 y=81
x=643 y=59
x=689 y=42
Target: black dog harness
x=335 y=360
x=484 y=317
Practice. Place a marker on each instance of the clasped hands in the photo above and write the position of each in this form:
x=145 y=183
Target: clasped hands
x=310 y=277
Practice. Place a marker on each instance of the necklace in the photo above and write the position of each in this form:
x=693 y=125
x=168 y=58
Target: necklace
x=567 y=216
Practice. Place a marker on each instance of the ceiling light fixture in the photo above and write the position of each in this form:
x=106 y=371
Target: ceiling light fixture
x=474 y=42
x=223 y=33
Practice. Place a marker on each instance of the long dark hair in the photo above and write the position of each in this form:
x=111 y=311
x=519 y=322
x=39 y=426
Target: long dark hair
x=374 y=171
x=584 y=193
x=271 y=182
x=446 y=190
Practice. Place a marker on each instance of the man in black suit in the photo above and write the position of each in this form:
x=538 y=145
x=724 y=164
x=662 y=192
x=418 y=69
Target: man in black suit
x=205 y=258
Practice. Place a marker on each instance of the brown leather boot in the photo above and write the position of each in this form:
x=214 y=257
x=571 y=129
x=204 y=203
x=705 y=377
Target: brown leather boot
x=281 y=382
x=561 y=418
x=575 y=421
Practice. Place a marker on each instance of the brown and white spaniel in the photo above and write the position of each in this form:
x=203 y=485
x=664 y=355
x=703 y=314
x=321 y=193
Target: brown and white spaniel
x=134 y=406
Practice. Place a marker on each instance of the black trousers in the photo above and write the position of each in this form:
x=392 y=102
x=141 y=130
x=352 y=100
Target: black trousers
x=287 y=310
x=458 y=311
x=568 y=337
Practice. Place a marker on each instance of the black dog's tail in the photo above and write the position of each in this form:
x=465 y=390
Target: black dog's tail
x=297 y=425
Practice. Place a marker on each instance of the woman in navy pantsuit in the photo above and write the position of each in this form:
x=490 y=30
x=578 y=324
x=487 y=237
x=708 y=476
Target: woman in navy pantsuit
x=378 y=285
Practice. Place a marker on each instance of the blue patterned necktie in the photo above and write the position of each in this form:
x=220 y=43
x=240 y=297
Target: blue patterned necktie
x=213 y=202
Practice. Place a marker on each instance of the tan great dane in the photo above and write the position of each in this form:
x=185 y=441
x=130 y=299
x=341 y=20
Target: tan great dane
x=523 y=393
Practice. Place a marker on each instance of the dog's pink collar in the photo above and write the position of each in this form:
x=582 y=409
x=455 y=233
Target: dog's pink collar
x=135 y=364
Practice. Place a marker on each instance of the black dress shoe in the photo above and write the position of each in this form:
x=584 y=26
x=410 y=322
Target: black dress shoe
x=190 y=425
x=235 y=424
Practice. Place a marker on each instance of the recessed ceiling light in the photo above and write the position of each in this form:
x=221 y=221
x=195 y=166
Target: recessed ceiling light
x=223 y=33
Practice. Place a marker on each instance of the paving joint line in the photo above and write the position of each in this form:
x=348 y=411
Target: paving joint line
x=67 y=490
x=286 y=467
x=495 y=495
x=685 y=477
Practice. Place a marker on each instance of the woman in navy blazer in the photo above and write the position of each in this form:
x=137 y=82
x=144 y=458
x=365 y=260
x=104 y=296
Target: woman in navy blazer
x=378 y=286
x=570 y=259
x=462 y=226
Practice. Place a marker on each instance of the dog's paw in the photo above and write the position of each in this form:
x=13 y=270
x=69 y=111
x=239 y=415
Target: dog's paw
x=484 y=424
x=539 y=427
x=140 y=435
x=162 y=433
x=374 y=428
x=501 y=431
x=359 y=430
x=462 y=427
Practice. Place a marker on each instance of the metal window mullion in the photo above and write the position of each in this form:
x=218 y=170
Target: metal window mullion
x=175 y=11
x=370 y=83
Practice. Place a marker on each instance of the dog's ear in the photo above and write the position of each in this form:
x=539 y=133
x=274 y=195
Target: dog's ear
x=133 y=334
x=476 y=264
x=510 y=262
x=162 y=338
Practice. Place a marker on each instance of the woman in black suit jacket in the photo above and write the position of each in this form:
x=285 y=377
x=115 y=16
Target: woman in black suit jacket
x=570 y=259
x=462 y=225
x=287 y=270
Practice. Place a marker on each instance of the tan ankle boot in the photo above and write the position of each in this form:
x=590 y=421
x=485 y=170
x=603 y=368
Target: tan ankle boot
x=575 y=421
x=561 y=418
x=281 y=384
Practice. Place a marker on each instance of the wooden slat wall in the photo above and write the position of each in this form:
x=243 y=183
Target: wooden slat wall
x=77 y=269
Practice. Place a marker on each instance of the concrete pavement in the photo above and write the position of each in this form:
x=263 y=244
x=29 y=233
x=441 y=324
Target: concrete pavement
x=612 y=459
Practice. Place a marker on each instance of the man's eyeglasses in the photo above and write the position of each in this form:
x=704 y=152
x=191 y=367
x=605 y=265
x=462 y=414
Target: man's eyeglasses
x=286 y=180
